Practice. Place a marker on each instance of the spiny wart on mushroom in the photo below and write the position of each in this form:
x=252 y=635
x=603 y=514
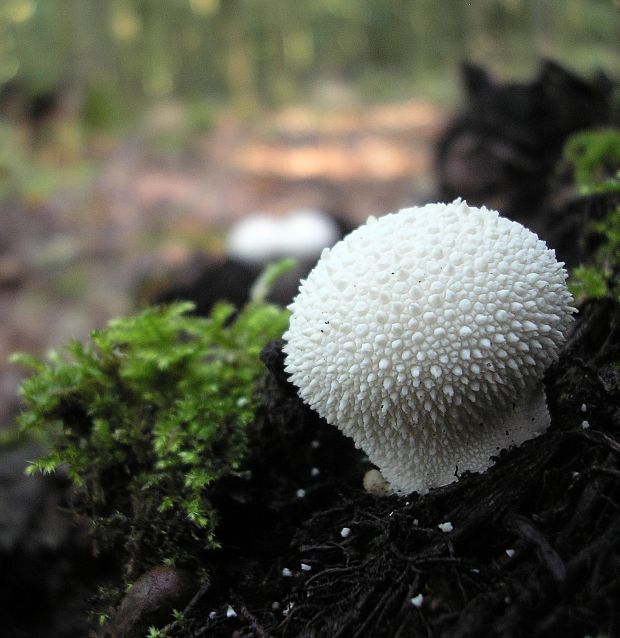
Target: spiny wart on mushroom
x=424 y=335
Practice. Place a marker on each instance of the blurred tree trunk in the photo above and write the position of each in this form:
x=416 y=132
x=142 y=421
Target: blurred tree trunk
x=240 y=65
x=91 y=61
x=158 y=74
x=103 y=44
x=78 y=61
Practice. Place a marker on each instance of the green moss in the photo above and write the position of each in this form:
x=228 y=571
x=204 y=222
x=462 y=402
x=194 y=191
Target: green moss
x=588 y=281
x=600 y=279
x=147 y=417
x=595 y=159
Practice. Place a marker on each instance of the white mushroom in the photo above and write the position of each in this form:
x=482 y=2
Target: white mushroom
x=261 y=237
x=424 y=336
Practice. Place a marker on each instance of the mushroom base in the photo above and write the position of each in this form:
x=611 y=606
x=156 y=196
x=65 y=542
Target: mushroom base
x=475 y=448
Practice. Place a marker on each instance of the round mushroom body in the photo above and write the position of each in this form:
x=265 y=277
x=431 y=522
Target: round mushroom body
x=424 y=335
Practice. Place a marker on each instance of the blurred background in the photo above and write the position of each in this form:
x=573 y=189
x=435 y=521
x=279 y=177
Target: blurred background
x=134 y=133
x=151 y=149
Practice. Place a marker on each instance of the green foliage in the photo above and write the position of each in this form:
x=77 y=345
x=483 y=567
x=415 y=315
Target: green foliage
x=268 y=277
x=102 y=619
x=9 y=436
x=588 y=281
x=13 y=162
x=101 y=109
x=26 y=177
x=202 y=116
x=601 y=278
x=147 y=416
x=595 y=159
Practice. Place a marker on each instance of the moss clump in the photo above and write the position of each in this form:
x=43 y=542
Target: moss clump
x=595 y=159
x=147 y=417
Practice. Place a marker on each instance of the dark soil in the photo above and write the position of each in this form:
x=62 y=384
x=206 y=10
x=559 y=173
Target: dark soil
x=47 y=568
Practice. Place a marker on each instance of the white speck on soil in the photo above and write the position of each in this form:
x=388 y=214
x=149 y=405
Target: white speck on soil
x=417 y=601
x=584 y=407
x=275 y=606
x=446 y=527
x=315 y=472
x=315 y=444
x=345 y=531
x=510 y=553
x=585 y=425
x=305 y=568
x=286 y=572
x=230 y=612
x=212 y=615
x=300 y=493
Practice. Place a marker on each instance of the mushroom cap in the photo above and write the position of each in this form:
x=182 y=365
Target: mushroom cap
x=424 y=335
x=261 y=237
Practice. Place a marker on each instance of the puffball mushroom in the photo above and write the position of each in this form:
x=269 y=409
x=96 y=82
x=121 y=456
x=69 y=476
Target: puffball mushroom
x=424 y=335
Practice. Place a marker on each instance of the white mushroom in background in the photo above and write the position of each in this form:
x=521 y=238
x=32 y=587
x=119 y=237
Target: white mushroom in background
x=424 y=336
x=261 y=237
